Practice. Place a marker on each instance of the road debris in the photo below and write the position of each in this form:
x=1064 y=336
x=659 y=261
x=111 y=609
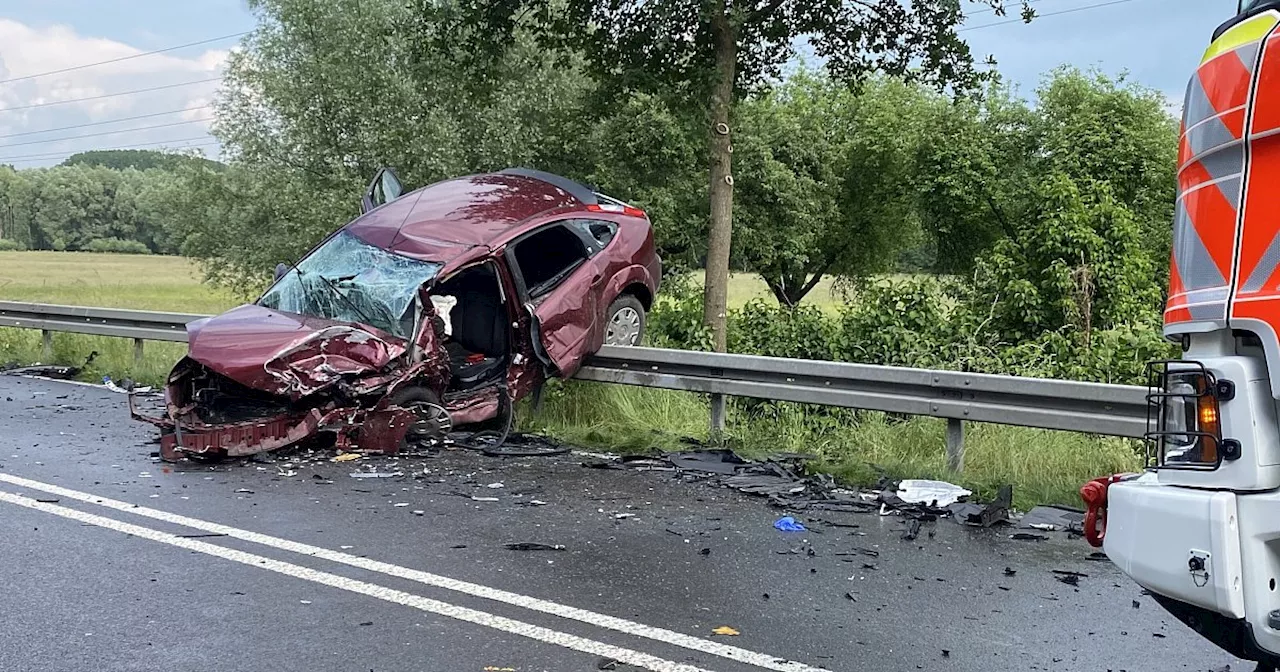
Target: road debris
x=912 y=531
x=1027 y=536
x=376 y=474
x=937 y=494
x=533 y=546
x=346 y=457
x=789 y=524
x=725 y=631
x=1053 y=518
x=1009 y=571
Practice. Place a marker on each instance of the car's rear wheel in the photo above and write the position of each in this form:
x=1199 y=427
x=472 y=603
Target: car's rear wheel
x=626 y=318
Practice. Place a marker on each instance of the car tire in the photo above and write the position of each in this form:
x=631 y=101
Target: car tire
x=625 y=321
x=427 y=405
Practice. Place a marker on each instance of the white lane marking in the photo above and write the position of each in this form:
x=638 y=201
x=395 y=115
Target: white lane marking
x=663 y=635
x=477 y=617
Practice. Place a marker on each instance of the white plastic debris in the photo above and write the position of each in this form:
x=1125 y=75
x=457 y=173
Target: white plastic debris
x=934 y=493
x=495 y=486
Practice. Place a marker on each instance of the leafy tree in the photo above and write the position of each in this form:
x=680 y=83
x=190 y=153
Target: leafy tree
x=1094 y=127
x=332 y=91
x=707 y=53
x=1076 y=263
x=825 y=180
x=974 y=168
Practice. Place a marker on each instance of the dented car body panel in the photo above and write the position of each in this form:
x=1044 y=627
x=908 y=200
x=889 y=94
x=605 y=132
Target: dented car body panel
x=349 y=344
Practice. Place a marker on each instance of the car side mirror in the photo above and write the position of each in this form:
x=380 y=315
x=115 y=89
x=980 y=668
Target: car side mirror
x=281 y=271
x=384 y=188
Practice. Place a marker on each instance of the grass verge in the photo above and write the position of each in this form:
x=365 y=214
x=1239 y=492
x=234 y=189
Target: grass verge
x=1045 y=467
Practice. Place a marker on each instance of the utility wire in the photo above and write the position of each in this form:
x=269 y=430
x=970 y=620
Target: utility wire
x=1046 y=15
x=108 y=121
x=64 y=156
x=106 y=149
x=109 y=95
x=95 y=135
x=123 y=58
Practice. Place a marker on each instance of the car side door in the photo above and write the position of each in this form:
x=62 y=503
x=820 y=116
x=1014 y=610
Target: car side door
x=559 y=287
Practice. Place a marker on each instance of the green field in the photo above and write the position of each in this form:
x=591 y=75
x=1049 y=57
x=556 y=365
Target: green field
x=1046 y=467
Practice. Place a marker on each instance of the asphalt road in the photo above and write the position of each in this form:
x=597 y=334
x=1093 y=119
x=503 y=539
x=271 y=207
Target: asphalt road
x=111 y=561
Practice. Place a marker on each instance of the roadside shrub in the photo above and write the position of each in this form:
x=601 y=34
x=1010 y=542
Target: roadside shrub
x=676 y=318
x=927 y=322
x=7 y=245
x=116 y=246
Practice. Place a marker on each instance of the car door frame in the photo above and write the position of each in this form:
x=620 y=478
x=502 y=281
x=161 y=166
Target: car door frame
x=591 y=247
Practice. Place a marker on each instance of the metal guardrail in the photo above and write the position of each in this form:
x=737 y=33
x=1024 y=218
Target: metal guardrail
x=1094 y=408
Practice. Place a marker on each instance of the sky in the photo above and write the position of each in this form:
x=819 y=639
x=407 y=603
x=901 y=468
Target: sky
x=1157 y=42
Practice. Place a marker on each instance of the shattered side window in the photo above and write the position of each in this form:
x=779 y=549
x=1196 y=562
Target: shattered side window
x=349 y=280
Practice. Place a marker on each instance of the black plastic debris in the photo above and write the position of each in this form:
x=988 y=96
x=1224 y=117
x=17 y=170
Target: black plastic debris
x=869 y=552
x=1027 y=536
x=1097 y=556
x=992 y=514
x=1009 y=571
x=45 y=371
x=525 y=445
x=1069 y=579
x=533 y=546
x=912 y=531
x=719 y=461
x=1137 y=604
x=851 y=597
x=1053 y=518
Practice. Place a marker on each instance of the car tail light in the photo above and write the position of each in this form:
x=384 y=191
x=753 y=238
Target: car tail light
x=627 y=210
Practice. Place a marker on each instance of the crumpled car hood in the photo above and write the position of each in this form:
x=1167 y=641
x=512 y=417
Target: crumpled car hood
x=283 y=353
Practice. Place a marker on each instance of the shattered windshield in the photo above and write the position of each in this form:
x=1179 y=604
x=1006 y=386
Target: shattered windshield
x=349 y=280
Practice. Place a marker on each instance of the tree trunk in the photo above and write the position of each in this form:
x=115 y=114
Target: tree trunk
x=720 y=236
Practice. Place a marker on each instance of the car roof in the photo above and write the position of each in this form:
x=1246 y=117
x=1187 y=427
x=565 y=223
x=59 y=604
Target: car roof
x=442 y=221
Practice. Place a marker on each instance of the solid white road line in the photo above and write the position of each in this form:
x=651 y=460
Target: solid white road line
x=663 y=635
x=477 y=617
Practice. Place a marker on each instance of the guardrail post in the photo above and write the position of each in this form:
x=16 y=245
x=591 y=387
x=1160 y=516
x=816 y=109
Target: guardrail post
x=137 y=351
x=717 y=416
x=955 y=444
x=46 y=345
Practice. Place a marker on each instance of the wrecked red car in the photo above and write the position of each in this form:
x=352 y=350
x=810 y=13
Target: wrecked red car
x=434 y=309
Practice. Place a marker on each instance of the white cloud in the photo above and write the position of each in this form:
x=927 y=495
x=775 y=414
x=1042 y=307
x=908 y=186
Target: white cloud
x=26 y=50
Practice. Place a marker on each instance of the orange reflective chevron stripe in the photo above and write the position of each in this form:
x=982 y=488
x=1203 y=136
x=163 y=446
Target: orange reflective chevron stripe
x=1212 y=154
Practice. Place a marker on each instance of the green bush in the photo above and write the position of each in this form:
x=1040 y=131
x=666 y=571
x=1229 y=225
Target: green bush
x=117 y=246
x=927 y=322
x=7 y=245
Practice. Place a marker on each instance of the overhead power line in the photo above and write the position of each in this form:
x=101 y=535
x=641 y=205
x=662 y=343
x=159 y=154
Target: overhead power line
x=66 y=155
x=123 y=58
x=108 y=121
x=109 y=95
x=4 y=159
x=1045 y=15
x=95 y=135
